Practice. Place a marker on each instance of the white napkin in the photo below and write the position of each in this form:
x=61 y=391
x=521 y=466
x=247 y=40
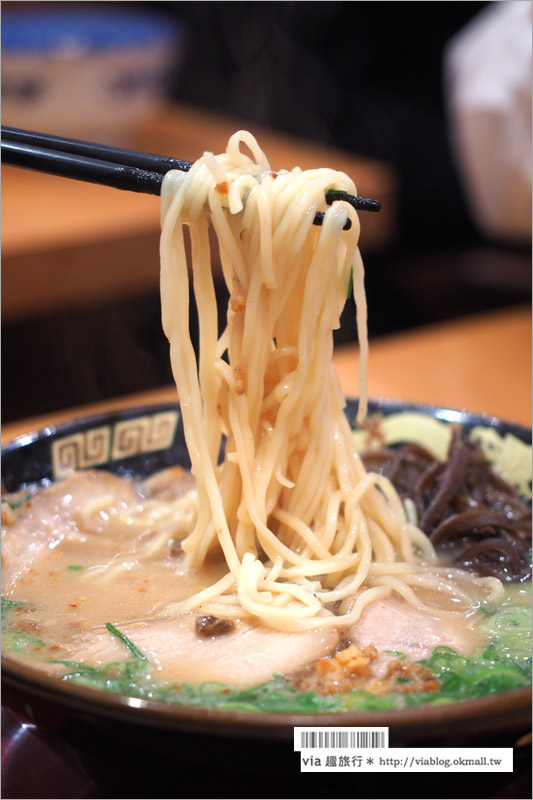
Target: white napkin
x=488 y=69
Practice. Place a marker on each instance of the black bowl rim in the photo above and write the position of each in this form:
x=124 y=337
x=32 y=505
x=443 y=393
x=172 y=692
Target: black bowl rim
x=511 y=708
x=388 y=405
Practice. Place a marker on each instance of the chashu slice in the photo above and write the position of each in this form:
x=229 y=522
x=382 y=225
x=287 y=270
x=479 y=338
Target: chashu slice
x=391 y=624
x=247 y=655
x=50 y=516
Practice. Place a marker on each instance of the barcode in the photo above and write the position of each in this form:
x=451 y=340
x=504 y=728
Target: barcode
x=343 y=739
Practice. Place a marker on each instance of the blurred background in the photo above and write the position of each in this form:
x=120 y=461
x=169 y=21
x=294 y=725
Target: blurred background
x=426 y=105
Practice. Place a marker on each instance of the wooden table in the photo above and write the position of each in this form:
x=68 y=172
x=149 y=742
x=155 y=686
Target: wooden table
x=68 y=244
x=480 y=363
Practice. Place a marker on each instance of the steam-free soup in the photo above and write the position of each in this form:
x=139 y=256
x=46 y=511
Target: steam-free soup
x=94 y=574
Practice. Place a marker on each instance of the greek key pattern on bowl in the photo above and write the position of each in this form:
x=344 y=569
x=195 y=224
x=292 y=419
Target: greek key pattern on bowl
x=143 y=434
x=124 y=439
x=80 y=450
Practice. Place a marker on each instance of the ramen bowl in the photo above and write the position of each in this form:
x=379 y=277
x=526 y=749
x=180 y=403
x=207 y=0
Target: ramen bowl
x=133 y=746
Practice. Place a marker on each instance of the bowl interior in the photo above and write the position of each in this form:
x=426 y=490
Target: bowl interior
x=140 y=441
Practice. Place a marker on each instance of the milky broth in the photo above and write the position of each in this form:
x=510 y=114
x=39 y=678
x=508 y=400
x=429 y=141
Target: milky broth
x=95 y=549
x=59 y=559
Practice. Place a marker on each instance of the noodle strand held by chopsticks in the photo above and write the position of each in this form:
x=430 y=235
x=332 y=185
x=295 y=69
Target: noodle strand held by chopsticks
x=291 y=508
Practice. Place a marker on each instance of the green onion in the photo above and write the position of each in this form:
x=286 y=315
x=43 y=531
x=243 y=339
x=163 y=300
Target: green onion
x=7 y=604
x=21 y=642
x=396 y=653
x=117 y=676
x=350 y=285
x=16 y=504
x=11 y=638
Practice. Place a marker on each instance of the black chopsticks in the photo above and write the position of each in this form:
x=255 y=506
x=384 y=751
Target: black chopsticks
x=103 y=152
x=87 y=161
x=113 y=166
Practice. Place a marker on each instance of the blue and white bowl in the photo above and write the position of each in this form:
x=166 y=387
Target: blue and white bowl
x=86 y=73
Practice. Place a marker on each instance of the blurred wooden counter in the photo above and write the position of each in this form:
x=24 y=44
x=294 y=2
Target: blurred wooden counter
x=66 y=244
x=480 y=363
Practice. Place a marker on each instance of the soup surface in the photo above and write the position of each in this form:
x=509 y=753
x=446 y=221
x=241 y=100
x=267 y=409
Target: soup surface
x=93 y=578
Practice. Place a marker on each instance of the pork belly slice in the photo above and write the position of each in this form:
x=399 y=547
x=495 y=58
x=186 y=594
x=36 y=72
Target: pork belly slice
x=248 y=655
x=50 y=516
x=391 y=624
x=168 y=484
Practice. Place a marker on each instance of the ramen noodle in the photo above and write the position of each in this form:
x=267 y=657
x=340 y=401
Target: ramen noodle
x=300 y=522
